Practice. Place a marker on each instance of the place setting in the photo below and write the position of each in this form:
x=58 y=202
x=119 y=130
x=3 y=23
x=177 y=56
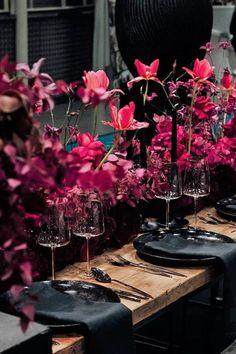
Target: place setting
x=182 y=246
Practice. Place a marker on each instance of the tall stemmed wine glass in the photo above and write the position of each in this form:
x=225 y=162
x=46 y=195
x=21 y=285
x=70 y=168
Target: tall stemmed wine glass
x=55 y=231
x=88 y=220
x=196 y=181
x=168 y=185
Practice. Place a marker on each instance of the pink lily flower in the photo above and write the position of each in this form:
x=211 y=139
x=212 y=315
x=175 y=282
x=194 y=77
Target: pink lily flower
x=145 y=72
x=123 y=119
x=96 y=85
x=202 y=71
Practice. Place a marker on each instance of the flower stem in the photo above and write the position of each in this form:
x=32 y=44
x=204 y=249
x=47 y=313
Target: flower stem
x=225 y=114
x=145 y=93
x=168 y=99
x=52 y=118
x=105 y=157
x=191 y=119
x=95 y=120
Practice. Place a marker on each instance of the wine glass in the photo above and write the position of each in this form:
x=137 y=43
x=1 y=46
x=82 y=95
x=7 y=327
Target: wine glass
x=88 y=221
x=196 y=181
x=55 y=231
x=168 y=185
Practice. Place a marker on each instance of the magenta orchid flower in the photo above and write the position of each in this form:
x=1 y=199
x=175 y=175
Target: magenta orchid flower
x=202 y=71
x=43 y=96
x=35 y=71
x=123 y=119
x=226 y=80
x=224 y=45
x=208 y=47
x=145 y=72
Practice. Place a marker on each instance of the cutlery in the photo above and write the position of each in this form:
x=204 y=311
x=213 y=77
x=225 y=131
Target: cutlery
x=221 y=221
x=121 y=263
x=153 y=268
x=215 y=221
x=128 y=295
x=208 y=221
x=104 y=277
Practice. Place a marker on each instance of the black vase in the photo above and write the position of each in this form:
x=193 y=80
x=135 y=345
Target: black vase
x=166 y=29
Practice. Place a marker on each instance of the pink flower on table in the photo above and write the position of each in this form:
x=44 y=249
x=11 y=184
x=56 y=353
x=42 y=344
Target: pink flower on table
x=199 y=145
x=89 y=149
x=145 y=72
x=34 y=72
x=224 y=45
x=203 y=107
x=208 y=47
x=226 y=80
x=163 y=123
x=43 y=96
x=123 y=119
x=6 y=66
x=230 y=128
x=202 y=71
x=52 y=133
x=96 y=85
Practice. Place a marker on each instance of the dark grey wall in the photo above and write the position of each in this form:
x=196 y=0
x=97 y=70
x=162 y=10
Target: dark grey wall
x=63 y=37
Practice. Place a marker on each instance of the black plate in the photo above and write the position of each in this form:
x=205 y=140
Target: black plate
x=189 y=234
x=225 y=208
x=84 y=290
x=75 y=288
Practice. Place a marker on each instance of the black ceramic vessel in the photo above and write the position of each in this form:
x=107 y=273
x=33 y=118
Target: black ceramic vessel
x=164 y=29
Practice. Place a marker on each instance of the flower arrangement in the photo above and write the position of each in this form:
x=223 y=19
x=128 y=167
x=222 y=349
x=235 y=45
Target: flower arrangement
x=199 y=119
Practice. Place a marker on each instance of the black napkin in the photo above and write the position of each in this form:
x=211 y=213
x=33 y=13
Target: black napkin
x=174 y=245
x=107 y=327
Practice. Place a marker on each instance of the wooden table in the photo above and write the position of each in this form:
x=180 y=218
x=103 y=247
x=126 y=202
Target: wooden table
x=165 y=291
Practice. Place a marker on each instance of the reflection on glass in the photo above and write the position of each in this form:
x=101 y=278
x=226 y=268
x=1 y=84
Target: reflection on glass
x=168 y=185
x=196 y=181
x=54 y=231
x=88 y=220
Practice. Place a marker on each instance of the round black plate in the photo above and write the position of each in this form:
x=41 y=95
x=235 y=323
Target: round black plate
x=189 y=234
x=227 y=208
x=84 y=290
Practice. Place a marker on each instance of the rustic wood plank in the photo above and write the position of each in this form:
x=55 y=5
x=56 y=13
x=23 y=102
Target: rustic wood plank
x=68 y=345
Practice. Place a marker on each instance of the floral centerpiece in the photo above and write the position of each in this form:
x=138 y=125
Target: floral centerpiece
x=199 y=120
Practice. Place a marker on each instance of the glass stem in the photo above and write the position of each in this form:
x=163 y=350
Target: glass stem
x=88 y=255
x=167 y=213
x=53 y=263
x=195 y=198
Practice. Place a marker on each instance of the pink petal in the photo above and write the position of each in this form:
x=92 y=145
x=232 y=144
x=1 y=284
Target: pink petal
x=28 y=310
x=16 y=291
x=13 y=183
x=36 y=67
x=26 y=269
x=137 y=79
x=154 y=66
x=141 y=68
